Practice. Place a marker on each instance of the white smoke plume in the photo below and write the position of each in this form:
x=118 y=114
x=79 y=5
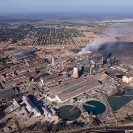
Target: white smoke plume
x=95 y=45
x=120 y=30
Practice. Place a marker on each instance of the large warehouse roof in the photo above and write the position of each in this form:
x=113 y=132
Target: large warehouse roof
x=23 y=53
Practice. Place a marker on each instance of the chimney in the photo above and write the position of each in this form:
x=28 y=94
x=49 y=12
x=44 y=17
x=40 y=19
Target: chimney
x=52 y=61
x=102 y=60
x=75 y=72
x=42 y=81
x=90 y=70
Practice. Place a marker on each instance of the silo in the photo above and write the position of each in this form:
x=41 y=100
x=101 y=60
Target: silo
x=75 y=72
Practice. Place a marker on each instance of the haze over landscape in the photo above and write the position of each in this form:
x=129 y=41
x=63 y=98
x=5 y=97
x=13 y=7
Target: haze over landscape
x=50 y=6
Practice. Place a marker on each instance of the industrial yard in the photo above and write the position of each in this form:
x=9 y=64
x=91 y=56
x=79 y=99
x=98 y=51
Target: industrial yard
x=51 y=82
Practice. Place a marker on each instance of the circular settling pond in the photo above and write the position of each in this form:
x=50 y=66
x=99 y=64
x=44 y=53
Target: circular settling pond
x=96 y=107
x=69 y=112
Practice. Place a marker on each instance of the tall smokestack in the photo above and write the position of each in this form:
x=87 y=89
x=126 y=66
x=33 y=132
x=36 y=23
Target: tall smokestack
x=42 y=81
x=102 y=60
x=90 y=70
x=75 y=73
x=52 y=61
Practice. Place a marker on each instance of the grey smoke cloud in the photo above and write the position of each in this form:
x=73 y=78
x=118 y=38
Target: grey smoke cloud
x=120 y=30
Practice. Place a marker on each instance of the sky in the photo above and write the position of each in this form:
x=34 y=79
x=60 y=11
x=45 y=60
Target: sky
x=45 y=6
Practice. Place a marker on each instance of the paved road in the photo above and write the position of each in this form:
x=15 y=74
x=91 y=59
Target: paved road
x=99 y=129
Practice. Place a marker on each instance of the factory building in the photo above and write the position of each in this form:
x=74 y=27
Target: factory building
x=52 y=78
x=53 y=98
x=19 y=54
x=67 y=96
x=75 y=88
x=31 y=107
x=35 y=61
x=127 y=79
x=14 y=105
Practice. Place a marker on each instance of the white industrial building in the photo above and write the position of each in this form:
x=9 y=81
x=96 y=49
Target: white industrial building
x=127 y=80
x=31 y=107
x=14 y=106
x=53 y=98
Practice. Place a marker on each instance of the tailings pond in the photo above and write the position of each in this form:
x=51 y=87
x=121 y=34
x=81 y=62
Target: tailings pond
x=96 y=107
x=117 y=102
x=69 y=112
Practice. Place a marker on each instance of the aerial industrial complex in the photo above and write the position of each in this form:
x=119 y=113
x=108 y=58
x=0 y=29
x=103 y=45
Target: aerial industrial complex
x=42 y=88
x=46 y=87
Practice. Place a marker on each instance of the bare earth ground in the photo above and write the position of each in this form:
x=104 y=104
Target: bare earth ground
x=4 y=44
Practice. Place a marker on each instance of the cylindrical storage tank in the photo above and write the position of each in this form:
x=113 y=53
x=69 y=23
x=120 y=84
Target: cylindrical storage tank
x=75 y=72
